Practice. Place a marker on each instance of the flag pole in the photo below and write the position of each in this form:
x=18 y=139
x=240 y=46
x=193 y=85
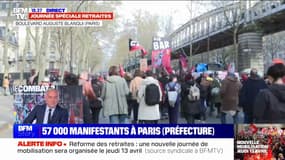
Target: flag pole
x=129 y=55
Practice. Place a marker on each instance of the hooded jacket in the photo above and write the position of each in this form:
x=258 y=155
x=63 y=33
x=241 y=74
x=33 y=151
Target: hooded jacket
x=269 y=106
x=186 y=105
x=249 y=91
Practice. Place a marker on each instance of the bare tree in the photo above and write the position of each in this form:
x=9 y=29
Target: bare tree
x=234 y=13
x=144 y=21
x=193 y=12
x=273 y=44
x=80 y=45
x=24 y=60
x=122 y=50
x=89 y=52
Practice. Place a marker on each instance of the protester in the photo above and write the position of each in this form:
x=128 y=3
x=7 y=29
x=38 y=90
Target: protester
x=11 y=84
x=5 y=85
x=269 y=103
x=128 y=77
x=163 y=80
x=279 y=61
x=244 y=77
x=215 y=94
x=172 y=90
x=114 y=93
x=230 y=96
x=190 y=108
x=205 y=90
x=86 y=85
x=248 y=93
x=134 y=88
x=149 y=91
x=92 y=92
x=71 y=79
x=50 y=112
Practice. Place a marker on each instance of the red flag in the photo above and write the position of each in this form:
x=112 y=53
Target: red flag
x=134 y=46
x=183 y=61
x=121 y=70
x=166 y=60
x=138 y=47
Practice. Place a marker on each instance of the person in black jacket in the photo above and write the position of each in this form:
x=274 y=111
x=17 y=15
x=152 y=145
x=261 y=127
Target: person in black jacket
x=190 y=109
x=249 y=91
x=269 y=106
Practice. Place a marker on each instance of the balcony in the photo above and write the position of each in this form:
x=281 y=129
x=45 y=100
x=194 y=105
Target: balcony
x=11 y=39
x=29 y=57
x=11 y=60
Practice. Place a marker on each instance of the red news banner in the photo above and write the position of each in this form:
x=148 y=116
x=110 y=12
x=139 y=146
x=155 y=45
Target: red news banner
x=40 y=143
x=72 y=16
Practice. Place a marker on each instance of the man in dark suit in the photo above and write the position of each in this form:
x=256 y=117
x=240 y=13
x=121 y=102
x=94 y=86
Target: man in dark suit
x=49 y=113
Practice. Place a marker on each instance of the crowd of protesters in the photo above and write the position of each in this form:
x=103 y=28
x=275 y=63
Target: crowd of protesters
x=124 y=98
x=145 y=97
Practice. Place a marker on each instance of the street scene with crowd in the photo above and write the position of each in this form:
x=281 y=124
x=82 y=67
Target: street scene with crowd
x=149 y=98
x=147 y=69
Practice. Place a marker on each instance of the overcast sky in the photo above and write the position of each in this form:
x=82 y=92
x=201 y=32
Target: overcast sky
x=178 y=9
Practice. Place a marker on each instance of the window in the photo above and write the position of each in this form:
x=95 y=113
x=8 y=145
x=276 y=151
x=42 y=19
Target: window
x=3 y=6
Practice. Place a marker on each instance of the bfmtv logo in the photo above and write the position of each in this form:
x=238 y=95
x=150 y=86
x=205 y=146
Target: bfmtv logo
x=25 y=128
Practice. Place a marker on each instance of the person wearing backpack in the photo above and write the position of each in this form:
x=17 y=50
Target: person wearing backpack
x=190 y=103
x=149 y=97
x=205 y=88
x=215 y=94
x=173 y=90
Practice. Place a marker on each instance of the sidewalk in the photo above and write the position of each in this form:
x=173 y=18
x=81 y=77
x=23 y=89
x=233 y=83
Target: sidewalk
x=6 y=116
x=3 y=125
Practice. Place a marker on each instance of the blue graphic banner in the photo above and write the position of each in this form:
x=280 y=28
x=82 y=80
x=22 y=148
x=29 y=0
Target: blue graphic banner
x=123 y=131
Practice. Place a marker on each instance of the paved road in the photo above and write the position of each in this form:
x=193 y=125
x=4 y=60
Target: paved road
x=7 y=117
